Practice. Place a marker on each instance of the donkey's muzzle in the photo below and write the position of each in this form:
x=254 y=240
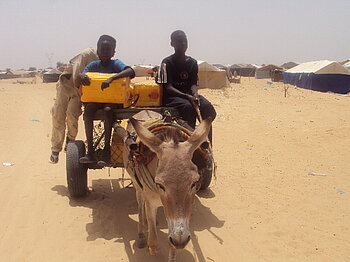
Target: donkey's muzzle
x=179 y=242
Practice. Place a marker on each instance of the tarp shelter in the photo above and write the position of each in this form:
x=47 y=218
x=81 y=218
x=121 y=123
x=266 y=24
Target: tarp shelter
x=265 y=71
x=220 y=66
x=17 y=74
x=51 y=76
x=344 y=62
x=142 y=70
x=247 y=70
x=321 y=76
x=347 y=65
x=289 y=65
x=210 y=76
x=277 y=75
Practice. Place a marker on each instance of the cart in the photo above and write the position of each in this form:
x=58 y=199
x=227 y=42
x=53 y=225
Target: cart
x=77 y=172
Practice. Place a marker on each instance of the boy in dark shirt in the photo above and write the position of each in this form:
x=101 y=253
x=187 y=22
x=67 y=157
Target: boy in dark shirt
x=178 y=74
x=105 y=49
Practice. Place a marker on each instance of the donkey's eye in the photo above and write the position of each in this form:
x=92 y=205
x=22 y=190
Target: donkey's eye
x=160 y=186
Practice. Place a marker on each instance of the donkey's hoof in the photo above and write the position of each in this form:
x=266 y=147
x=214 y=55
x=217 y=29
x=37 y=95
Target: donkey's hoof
x=153 y=250
x=141 y=242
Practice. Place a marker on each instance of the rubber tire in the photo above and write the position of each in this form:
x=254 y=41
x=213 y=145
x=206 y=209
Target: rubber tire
x=76 y=172
x=206 y=176
x=205 y=169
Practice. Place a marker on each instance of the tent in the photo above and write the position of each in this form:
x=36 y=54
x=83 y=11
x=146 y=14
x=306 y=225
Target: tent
x=142 y=70
x=289 y=65
x=266 y=71
x=321 y=76
x=220 y=66
x=347 y=65
x=16 y=74
x=210 y=76
x=51 y=76
x=244 y=69
x=344 y=62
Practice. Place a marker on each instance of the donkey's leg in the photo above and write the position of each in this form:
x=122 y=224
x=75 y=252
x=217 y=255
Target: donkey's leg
x=151 y=213
x=141 y=242
x=172 y=254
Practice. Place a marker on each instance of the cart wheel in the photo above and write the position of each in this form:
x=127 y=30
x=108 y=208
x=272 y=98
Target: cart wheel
x=206 y=176
x=76 y=172
x=206 y=173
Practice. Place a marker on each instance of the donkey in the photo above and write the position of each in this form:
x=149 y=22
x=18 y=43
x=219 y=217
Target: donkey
x=173 y=182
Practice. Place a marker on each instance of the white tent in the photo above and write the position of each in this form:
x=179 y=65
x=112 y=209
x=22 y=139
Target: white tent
x=320 y=67
x=289 y=65
x=265 y=71
x=141 y=70
x=347 y=65
x=51 y=76
x=321 y=76
x=210 y=76
x=53 y=71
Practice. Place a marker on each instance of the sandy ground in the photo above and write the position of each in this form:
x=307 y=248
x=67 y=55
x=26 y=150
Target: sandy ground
x=264 y=205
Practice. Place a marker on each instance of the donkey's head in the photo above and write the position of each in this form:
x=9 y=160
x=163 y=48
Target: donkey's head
x=176 y=177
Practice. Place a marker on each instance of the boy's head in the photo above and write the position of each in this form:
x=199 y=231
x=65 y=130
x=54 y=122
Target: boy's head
x=106 y=47
x=179 y=41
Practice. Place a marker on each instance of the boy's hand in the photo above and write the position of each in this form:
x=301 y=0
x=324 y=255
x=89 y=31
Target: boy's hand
x=194 y=90
x=106 y=83
x=196 y=97
x=84 y=80
x=194 y=101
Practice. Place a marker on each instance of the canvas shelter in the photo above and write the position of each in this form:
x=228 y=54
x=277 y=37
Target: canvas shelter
x=247 y=70
x=347 y=65
x=289 y=65
x=17 y=74
x=210 y=76
x=344 y=62
x=324 y=76
x=277 y=75
x=142 y=70
x=265 y=72
x=220 y=66
x=51 y=76
x=8 y=75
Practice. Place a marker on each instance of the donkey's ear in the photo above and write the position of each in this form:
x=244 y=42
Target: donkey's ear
x=146 y=137
x=199 y=135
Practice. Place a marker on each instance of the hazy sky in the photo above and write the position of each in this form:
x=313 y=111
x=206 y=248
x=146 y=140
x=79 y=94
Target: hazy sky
x=219 y=31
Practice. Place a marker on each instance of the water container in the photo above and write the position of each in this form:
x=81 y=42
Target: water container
x=118 y=91
x=150 y=94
